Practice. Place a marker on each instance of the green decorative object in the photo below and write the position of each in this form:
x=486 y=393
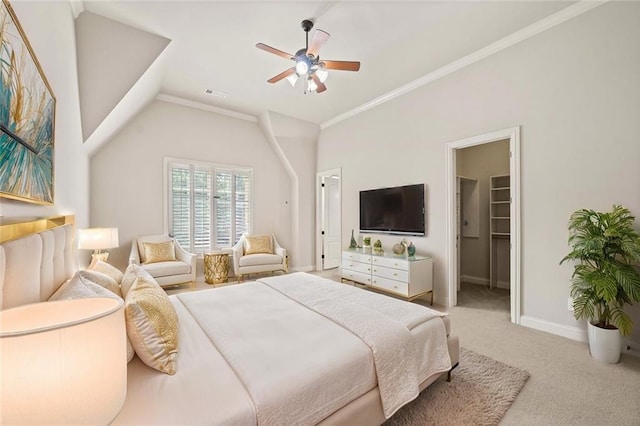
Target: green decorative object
x=366 y=242
x=411 y=249
x=605 y=279
x=377 y=246
x=353 y=243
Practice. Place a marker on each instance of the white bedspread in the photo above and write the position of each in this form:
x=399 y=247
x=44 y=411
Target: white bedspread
x=249 y=354
x=297 y=367
x=382 y=323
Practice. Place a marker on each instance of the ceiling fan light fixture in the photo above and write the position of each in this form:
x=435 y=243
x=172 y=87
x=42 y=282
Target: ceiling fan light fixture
x=322 y=74
x=311 y=85
x=302 y=67
x=293 y=78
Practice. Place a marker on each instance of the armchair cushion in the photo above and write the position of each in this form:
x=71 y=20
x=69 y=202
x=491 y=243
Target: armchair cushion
x=150 y=239
x=260 y=259
x=159 y=252
x=254 y=244
x=163 y=269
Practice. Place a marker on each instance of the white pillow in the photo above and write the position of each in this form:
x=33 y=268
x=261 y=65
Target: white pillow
x=79 y=288
x=107 y=269
x=102 y=280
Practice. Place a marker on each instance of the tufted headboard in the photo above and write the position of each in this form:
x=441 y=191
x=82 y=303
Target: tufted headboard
x=32 y=267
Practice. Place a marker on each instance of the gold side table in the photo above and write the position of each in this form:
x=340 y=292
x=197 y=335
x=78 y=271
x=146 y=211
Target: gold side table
x=216 y=267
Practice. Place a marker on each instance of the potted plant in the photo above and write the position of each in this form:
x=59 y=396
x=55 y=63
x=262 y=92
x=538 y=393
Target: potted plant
x=606 y=277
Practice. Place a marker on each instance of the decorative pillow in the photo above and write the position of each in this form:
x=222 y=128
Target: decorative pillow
x=133 y=271
x=152 y=325
x=79 y=288
x=107 y=269
x=102 y=280
x=258 y=244
x=159 y=252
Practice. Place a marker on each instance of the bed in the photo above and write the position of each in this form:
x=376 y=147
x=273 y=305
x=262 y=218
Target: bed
x=291 y=349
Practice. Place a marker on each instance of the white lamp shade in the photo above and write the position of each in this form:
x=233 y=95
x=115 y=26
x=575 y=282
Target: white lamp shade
x=98 y=238
x=63 y=362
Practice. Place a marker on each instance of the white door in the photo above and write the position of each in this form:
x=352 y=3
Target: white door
x=458 y=220
x=331 y=221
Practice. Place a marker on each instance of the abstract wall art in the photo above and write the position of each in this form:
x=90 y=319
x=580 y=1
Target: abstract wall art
x=27 y=117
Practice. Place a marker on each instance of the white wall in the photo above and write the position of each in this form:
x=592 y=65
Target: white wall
x=574 y=89
x=295 y=142
x=49 y=26
x=127 y=173
x=480 y=162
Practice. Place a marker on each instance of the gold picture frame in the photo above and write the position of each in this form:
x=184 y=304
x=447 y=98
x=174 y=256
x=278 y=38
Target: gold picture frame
x=27 y=117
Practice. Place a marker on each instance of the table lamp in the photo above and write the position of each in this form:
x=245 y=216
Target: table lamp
x=98 y=239
x=63 y=362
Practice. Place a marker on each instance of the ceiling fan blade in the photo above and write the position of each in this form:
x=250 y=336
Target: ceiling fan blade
x=273 y=50
x=283 y=74
x=321 y=86
x=341 y=65
x=319 y=39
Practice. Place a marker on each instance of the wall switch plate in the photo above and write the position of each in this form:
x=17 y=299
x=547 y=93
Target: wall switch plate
x=570 y=304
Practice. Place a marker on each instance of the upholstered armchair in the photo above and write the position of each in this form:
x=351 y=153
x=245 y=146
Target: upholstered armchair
x=164 y=259
x=255 y=254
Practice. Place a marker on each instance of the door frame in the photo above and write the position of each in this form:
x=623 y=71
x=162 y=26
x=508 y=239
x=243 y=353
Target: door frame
x=513 y=134
x=319 y=208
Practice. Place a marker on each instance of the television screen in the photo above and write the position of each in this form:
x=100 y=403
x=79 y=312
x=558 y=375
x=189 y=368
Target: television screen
x=398 y=210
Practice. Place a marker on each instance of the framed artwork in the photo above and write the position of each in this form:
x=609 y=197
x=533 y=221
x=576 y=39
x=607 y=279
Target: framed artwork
x=27 y=117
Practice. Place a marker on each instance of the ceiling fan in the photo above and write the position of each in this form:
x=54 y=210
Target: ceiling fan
x=308 y=63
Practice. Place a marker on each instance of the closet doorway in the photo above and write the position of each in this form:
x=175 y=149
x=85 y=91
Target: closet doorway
x=483 y=225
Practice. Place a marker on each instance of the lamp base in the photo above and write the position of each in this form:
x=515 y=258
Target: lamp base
x=98 y=256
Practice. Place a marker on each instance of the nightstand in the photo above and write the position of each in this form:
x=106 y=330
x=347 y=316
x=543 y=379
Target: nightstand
x=216 y=267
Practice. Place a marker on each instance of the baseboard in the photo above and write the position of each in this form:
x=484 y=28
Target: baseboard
x=630 y=347
x=484 y=281
x=474 y=280
x=573 y=333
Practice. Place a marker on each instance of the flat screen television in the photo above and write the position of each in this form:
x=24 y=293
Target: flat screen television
x=397 y=210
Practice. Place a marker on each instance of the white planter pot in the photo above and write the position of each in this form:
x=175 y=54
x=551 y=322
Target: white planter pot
x=604 y=344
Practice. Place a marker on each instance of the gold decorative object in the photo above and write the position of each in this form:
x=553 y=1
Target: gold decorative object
x=216 y=267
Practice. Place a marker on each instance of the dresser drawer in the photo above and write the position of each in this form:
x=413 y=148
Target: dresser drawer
x=391 y=285
x=390 y=262
x=394 y=274
x=357 y=257
x=356 y=276
x=364 y=268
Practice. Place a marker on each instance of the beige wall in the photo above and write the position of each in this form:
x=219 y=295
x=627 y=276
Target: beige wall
x=127 y=173
x=575 y=92
x=49 y=27
x=480 y=162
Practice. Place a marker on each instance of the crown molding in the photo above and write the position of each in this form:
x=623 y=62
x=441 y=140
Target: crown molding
x=495 y=47
x=192 y=104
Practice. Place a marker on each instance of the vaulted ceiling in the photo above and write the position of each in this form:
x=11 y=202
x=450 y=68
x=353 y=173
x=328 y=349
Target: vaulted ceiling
x=213 y=46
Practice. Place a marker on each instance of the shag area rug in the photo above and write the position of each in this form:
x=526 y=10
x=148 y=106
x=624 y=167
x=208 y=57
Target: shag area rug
x=480 y=393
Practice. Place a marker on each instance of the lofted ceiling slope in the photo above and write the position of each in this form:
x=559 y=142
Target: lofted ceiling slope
x=213 y=46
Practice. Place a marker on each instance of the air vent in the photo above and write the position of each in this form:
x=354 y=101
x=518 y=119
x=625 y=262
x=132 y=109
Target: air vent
x=217 y=93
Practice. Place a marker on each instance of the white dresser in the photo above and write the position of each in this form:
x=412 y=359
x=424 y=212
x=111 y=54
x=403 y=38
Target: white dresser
x=400 y=275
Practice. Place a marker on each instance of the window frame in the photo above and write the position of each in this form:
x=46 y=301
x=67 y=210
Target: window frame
x=212 y=168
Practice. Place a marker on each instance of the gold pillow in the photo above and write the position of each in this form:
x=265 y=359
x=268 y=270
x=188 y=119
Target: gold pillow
x=254 y=244
x=152 y=325
x=159 y=252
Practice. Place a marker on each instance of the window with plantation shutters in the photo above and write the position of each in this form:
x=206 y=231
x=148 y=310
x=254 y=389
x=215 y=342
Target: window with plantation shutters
x=209 y=207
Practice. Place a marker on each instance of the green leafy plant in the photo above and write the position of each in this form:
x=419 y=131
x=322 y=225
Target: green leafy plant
x=606 y=277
